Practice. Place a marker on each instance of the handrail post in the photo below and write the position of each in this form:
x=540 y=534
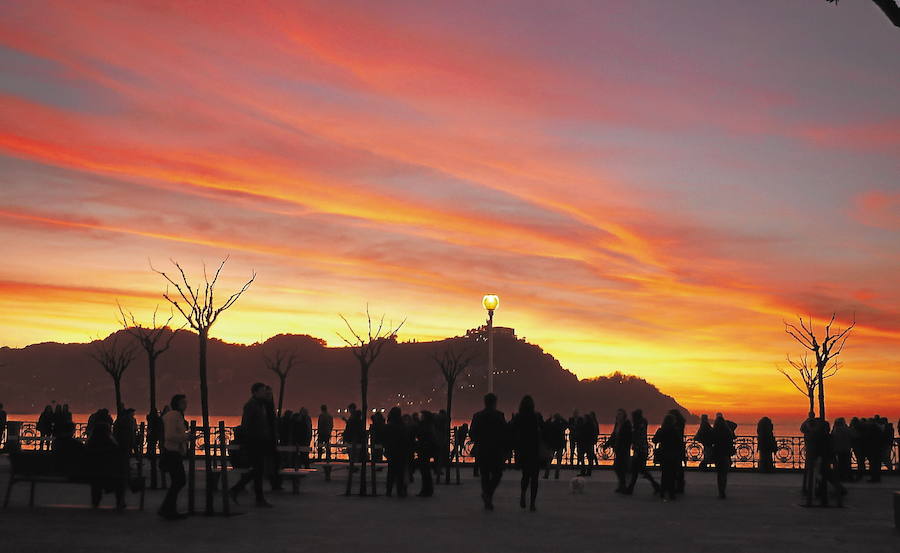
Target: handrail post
x=192 y=467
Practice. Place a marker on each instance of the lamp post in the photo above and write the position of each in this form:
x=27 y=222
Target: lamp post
x=490 y=302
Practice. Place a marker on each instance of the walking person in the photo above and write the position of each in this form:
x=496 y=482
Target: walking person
x=488 y=432
x=765 y=441
x=526 y=437
x=680 y=423
x=641 y=450
x=723 y=448
x=426 y=451
x=668 y=454
x=174 y=449
x=258 y=440
x=398 y=445
x=620 y=442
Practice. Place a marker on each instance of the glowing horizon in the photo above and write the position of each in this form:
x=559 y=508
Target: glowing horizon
x=644 y=197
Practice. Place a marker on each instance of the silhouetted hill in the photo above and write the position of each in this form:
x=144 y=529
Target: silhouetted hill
x=405 y=374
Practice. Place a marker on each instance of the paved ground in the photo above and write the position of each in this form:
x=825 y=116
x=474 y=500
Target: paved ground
x=761 y=514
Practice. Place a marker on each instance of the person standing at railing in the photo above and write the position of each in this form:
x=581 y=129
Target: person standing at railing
x=555 y=433
x=620 y=442
x=45 y=425
x=841 y=445
x=376 y=430
x=3 y=420
x=489 y=434
x=257 y=436
x=302 y=434
x=324 y=427
x=766 y=444
x=722 y=448
x=354 y=435
x=703 y=437
x=174 y=449
x=641 y=452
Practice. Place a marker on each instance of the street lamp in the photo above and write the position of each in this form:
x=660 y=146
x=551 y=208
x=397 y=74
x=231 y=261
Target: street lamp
x=490 y=302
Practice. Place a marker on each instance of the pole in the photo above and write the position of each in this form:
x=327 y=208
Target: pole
x=490 y=352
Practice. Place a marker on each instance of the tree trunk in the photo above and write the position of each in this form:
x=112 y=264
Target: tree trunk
x=812 y=403
x=204 y=406
x=117 y=383
x=821 y=390
x=282 y=378
x=152 y=361
x=450 y=386
x=364 y=385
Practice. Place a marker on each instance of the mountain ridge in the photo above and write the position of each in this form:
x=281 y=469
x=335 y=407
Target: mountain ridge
x=405 y=374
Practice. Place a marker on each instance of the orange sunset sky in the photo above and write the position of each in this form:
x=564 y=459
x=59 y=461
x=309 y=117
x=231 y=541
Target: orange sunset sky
x=650 y=187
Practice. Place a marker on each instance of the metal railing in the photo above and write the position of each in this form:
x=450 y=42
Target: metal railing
x=789 y=454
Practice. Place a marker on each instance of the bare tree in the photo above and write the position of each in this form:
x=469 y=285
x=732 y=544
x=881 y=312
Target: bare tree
x=890 y=8
x=280 y=363
x=825 y=351
x=114 y=358
x=366 y=348
x=197 y=305
x=150 y=337
x=452 y=362
x=807 y=377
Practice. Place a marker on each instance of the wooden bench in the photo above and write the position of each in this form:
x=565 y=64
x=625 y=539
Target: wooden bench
x=41 y=467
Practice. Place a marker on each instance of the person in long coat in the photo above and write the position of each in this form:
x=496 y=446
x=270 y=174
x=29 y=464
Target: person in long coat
x=527 y=427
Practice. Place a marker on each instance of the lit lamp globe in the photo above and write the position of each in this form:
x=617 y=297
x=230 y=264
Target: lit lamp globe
x=490 y=301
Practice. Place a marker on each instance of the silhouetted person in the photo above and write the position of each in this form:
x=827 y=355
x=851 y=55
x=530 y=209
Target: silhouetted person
x=460 y=435
x=526 y=426
x=105 y=462
x=398 y=447
x=680 y=423
x=442 y=455
x=765 y=441
x=887 y=443
x=125 y=431
x=841 y=445
x=272 y=461
x=620 y=442
x=69 y=454
x=555 y=438
x=856 y=444
x=301 y=433
x=286 y=428
x=641 y=452
x=258 y=441
x=488 y=432
x=377 y=433
x=704 y=437
x=872 y=438
x=426 y=450
x=324 y=427
x=820 y=459
x=808 y=470
x=45 y=425
x=668 y=454
x=723 y=449
x=154 y=431
x=354 y=435
x=3 y=420
x=174 y=450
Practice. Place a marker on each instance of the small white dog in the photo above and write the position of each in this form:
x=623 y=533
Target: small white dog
x=576 y=485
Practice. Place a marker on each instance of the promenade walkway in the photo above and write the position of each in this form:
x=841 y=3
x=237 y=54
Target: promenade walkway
x=761 y=514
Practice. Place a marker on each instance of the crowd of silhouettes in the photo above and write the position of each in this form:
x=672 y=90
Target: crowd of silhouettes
x=424 y=444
